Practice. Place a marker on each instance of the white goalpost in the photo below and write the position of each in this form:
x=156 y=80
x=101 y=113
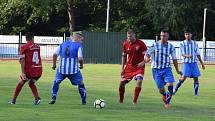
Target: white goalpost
x=204 y=44
x=203 y=38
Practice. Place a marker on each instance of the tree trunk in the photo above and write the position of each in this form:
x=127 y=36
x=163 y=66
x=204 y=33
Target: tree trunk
x=70 y=11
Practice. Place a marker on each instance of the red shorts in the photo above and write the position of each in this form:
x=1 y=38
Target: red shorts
x=33 y=73
x=130 y=72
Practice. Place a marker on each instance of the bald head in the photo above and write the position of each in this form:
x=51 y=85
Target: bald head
x=78 y=37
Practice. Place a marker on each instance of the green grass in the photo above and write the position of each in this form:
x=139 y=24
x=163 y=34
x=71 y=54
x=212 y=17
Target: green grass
x=102 y=81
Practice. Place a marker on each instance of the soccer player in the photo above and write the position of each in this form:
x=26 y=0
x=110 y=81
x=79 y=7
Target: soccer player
x=132 y=55
x=31 y=67
x=159 y=53
x=71 y=54
x=190 y=53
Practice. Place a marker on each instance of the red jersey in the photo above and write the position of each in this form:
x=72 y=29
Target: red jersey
x=33 y=64
x=135 y=51
x=135 y=54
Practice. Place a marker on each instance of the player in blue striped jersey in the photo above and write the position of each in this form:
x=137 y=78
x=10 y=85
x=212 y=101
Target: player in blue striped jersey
x=190 y=53
x=159 y=54
x=71 y=56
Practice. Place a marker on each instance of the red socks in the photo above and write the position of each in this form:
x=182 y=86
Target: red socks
x=33 y=89
x=136 y=94
x=18 y=89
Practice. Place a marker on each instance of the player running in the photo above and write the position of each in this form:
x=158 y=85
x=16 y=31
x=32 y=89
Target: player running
x=132 y=55
x=160 y=53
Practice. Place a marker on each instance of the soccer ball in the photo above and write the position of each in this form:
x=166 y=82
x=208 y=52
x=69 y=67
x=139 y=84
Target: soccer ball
x=99 y=104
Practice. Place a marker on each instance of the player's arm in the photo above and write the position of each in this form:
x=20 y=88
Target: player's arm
x=55 y=55
x=199 y=57
x=22 y=63
x=200 y=60
x=147 y=58
x=144 y=50
x=123 y=62
x=187 y=56
x=175 y=62
x=149 y=53
x=80 y=58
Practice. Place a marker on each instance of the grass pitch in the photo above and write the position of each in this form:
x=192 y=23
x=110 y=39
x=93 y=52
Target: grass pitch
x=102 y=81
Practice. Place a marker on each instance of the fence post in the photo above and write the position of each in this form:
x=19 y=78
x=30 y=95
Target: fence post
x=20 y=41
x=156 y=38
x=64 y=37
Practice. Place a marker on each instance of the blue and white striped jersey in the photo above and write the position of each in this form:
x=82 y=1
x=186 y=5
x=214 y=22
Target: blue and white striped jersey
x=160 y=55
x=189 y=48
x=69 y=53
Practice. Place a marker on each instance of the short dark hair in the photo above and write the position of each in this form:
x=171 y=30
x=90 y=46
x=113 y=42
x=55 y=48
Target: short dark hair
x=187 y=31
x=130 y=31
x=29 y=36
x=165 y=31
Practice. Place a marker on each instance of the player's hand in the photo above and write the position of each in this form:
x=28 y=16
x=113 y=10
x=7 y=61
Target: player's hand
x=122 y=72
x=189 y=56
x=141 y=64
x=81 y=67
x=203 y=66
x=180 y=73
x=54 y=67
x=23 y=76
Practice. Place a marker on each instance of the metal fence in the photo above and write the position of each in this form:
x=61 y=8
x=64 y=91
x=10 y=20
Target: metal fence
x=98 y=48
x=103 y=47
x=11 y=50
x=208 y=57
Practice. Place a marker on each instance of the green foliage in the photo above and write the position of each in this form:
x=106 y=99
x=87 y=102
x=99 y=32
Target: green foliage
x=146 y=17
x=175 y=15
x=22 y=15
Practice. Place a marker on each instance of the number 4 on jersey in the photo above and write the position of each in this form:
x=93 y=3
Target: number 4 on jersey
x=35 y=57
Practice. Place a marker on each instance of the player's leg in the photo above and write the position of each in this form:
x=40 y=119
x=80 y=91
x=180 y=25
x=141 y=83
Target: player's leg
x=186 y=70
x=196 y=74
x=163 y=93
x=169 y=79
x=122 y=84
x=157 y=75
x=169 y=92
x=58 y=79
x=18 y=89
x=179 y=83
x=196 y=86
x=34 y=90
x=77 y=79
x=83 y=93
x=138 y=88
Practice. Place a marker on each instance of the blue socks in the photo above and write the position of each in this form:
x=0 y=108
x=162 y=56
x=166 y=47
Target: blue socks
x=169 y=94
x=196 y=88
x=178 y=85
x=82 y=92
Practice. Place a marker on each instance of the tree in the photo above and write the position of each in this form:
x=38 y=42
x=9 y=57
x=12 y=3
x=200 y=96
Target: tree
x=176 y=15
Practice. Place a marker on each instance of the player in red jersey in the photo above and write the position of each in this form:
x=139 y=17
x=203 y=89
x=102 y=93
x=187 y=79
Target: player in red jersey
x=31 y=67
x=132 y=65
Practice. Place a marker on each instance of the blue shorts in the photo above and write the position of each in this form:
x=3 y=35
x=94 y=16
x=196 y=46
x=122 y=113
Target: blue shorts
x=162 y=76
x=190 y=70
x=75 y=79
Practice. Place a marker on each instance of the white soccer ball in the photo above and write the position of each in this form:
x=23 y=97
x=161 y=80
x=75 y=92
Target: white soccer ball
x=99 y=104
